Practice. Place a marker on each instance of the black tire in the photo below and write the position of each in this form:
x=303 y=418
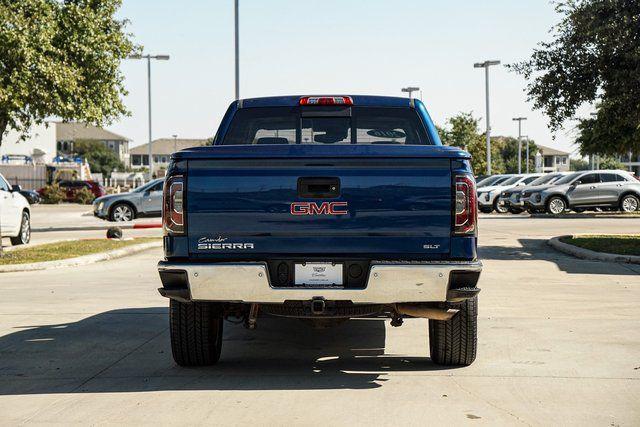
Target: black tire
x=122 y=212
x=24 y=235
x=515 y=211
x=196 y=333
x=454 y=342
x=629 y=203
x=578 y=210
x=502 y=209
x=554 y=204
x=486 y=210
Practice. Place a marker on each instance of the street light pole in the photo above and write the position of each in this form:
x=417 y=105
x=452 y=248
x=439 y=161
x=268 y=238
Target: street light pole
x=486 y=65
x=149 y=58
x=410 y=90
x=519 y=120
x=237 y=48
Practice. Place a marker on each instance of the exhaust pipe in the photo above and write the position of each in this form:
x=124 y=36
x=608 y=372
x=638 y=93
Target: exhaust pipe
x=417 y=310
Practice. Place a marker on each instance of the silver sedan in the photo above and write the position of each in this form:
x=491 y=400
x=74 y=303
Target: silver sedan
x=145 y=200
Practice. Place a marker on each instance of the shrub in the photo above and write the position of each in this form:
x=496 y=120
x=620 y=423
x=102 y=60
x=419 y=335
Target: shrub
x=53 y=194
x=83 y=196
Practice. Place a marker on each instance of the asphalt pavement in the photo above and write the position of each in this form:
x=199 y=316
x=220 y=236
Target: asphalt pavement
x=559 y=343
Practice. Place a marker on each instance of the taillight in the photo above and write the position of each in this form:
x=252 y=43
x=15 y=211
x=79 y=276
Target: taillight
x=173 y=205
x=326 y=100
x=466 y=209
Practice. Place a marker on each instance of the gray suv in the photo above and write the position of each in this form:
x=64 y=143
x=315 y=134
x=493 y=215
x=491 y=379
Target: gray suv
x=145 y=200
x=586 y=190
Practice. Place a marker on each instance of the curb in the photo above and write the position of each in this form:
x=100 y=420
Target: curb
x=589 y=254
x=583 y=215
x=81 y=260
x=97 y=227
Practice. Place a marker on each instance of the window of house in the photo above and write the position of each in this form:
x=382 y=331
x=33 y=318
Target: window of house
x=548 y=161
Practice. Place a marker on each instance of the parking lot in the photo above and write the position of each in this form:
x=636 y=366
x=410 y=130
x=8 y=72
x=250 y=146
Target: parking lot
x=559 y=342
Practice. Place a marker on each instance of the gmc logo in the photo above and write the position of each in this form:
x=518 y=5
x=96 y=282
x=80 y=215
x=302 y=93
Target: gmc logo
x=324 y=208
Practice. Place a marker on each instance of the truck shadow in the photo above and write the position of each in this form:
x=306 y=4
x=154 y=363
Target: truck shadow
x=128 y=350
x=538 y=249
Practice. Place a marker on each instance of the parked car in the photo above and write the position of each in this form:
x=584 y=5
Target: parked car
x=145 y=200
x=15 y=214
x=512 y=198
x=72 y=186
x=379 y=219
x=32 y=196
x=492 y=180
x=488 y=197
x=614 y=189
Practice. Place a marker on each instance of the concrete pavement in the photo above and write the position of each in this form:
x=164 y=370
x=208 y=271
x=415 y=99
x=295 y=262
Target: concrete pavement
x=559 y=344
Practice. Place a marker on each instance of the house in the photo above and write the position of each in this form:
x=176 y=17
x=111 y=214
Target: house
x=38 y=148
x=68 y=133
x=161 y=150
x=551 y=160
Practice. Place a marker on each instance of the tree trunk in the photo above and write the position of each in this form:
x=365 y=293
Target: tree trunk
x=4 y=122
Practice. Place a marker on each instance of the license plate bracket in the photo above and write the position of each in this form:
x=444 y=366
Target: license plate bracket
x=318 y=274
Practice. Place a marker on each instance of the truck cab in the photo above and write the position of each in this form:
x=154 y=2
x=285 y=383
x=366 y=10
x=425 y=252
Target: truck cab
x=322 y=208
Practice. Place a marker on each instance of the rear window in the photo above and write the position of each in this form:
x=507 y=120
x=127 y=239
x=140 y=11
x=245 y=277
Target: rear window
x=321 y=125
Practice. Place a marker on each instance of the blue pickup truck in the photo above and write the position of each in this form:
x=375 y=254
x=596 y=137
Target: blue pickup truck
x=321 y=208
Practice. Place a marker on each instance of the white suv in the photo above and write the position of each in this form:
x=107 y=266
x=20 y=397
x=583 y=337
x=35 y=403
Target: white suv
x=15 y=214
x=488 y=197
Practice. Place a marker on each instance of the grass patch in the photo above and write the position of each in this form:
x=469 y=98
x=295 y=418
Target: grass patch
x=65 y=250
x=620 y=245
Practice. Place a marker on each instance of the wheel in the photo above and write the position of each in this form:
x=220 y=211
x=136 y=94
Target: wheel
x=24 y=236
x=454 y=341
x=498 y=207
x=196 y=332
x=556 y=205
x=629 y=203
x=121 y=212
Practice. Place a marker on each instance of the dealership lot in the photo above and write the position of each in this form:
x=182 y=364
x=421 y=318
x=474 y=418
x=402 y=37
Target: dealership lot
x=559 y=343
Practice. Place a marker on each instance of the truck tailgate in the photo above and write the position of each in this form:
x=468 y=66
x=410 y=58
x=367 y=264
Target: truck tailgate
x=384 y=206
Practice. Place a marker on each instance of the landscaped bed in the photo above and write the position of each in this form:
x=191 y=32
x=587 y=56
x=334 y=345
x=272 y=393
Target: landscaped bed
x=613 y=244
x=67 y=249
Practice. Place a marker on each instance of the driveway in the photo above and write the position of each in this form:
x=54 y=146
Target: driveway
x=559 y=344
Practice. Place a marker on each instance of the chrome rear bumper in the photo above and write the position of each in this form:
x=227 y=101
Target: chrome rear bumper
x=387 y=283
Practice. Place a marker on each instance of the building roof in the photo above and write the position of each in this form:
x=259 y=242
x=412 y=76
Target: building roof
x=167 y=146
x=74 y=131
x=548 y=151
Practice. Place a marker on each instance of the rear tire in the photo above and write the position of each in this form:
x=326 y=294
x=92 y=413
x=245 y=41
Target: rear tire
x=629 y=203
x=24 y=235
x=454 y=342
x=196 y=332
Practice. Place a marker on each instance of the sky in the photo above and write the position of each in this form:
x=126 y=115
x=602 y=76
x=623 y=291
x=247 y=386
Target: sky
x=336 y=47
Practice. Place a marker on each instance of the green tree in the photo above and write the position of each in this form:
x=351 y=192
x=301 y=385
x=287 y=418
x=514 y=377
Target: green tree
x=101 y=159
x=462 y=131
x=594 y=58
x=60 y=58
x=508 y=147
x=608 y=162
x=578 y=165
